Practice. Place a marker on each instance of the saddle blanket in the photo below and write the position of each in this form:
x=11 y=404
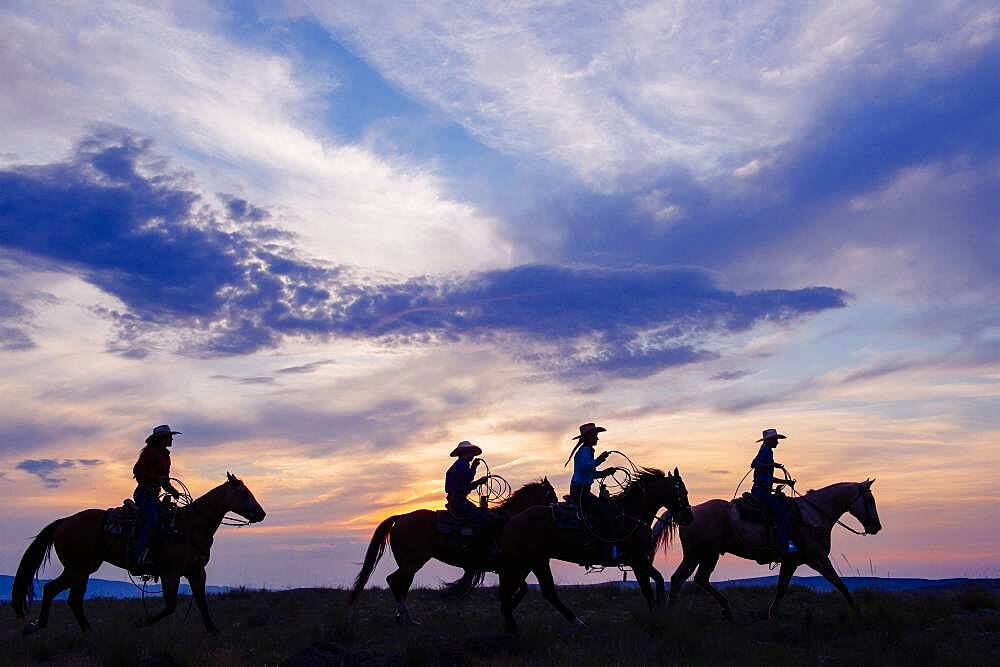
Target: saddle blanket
x=121 y=521
x=751 y=510
x=567 y=516
x=449 y=524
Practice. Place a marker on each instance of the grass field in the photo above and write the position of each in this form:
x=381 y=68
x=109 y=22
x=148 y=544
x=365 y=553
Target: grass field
x=312 y=627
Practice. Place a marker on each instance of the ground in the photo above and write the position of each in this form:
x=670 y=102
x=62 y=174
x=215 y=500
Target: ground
x=313 y=627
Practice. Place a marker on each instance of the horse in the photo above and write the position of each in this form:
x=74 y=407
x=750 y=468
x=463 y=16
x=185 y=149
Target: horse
x=532 y=538
x=717 y=529
x=414 y=540
x=82 y=546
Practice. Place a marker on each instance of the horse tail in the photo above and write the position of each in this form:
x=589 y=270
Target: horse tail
x=375 y=550
x=469 y=581
x=663 y=533
x=38 y=553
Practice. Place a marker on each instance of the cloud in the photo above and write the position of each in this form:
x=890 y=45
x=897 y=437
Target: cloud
x=729 y=376
x=116 y=216
x=47 y=469
x=305 y=368
x=615 y=93
x=12 y=315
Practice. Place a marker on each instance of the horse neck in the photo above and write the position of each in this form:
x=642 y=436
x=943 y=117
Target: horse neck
x=835 y=499
x=207 y=511
x=635 y=502
x=526 y=497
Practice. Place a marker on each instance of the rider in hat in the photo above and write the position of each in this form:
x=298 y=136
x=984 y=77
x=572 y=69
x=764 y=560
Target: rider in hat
x=459 y=481
x=152 y=472
x=763 y=478
x=585 y=468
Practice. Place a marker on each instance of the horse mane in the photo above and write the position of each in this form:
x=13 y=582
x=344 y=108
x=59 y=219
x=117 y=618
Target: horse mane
x=524 y=490
x=642 y=477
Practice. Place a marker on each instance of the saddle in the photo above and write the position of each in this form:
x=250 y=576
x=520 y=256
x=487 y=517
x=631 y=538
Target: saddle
x=567 y=515
x=449 y=524
x=122 y=521
x=752 y=510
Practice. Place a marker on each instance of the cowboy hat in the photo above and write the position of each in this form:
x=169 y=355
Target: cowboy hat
x=159 y=432
x=466 y=446
x=771 y=434
x=588 y=428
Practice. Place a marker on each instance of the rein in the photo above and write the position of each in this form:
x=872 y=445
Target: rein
x=829 y=517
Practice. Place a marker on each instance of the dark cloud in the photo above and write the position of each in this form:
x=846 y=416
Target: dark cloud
x=305 y=368
x=49 y=470
x=12 y=336
x=729 y=376
x=242 y=210
x=115 y=215
x=254 y=379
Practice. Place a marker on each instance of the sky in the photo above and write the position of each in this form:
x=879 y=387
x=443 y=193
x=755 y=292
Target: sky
x=328 y=241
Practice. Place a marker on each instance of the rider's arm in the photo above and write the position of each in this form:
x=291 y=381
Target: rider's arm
x=601 y=474
x=168 y=487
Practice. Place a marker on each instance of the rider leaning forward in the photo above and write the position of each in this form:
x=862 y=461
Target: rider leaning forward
x=763 y=478
x=152 y=472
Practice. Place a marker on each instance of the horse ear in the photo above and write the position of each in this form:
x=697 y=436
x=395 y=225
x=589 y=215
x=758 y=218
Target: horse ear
x=869 y=483
x=677 y=473
x=229 y=476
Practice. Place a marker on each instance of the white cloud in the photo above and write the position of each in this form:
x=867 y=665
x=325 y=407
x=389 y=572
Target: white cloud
x=615 y=90
x=243 y=120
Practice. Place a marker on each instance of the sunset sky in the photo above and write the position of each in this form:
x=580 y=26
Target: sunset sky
x=327 y=241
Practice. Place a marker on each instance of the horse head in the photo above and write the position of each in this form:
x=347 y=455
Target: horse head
x=240 y=499
x=550 y=492
x=863 y=508
x=680 y=509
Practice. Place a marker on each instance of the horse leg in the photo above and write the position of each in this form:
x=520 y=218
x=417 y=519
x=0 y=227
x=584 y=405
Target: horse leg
x=823 y=565
x=197 y=581
x=169 y=583
x=399 y=583
x=705 y=569
x=49 y=592
x=680 y=575
x=788 y=566
x=661 y=591
x=519 y=594
x=76 y=593
x=543 y=572
x=513 y=586
x=641 y=570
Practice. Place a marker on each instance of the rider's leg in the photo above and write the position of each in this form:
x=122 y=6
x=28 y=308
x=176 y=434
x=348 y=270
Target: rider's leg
x=145 y=500
x=781 y=520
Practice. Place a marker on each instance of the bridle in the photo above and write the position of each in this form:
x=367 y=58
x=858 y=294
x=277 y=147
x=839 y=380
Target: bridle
x=863 y=492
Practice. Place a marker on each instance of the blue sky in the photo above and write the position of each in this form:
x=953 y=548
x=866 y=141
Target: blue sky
x=327 y=242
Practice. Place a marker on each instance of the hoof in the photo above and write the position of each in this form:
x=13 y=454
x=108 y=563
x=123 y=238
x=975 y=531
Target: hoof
x=30 y=628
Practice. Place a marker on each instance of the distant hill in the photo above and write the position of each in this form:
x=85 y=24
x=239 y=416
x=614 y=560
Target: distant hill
x=820 y=584
x=102 y=588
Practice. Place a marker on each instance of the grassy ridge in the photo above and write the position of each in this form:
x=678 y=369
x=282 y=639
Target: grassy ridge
x=312 y=627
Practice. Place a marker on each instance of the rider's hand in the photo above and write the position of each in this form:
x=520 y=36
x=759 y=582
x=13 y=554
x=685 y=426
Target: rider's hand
x=790 y=482
x=175 y=494
x=603 y=457
x=779 y=466
x=475 y=462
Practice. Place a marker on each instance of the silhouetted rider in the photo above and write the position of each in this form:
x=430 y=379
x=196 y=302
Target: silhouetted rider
x=459 y=482
x=763 y=478
x=585 y=469
x=152 y=472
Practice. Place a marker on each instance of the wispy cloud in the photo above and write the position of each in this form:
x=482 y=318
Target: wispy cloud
x=50 y=471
